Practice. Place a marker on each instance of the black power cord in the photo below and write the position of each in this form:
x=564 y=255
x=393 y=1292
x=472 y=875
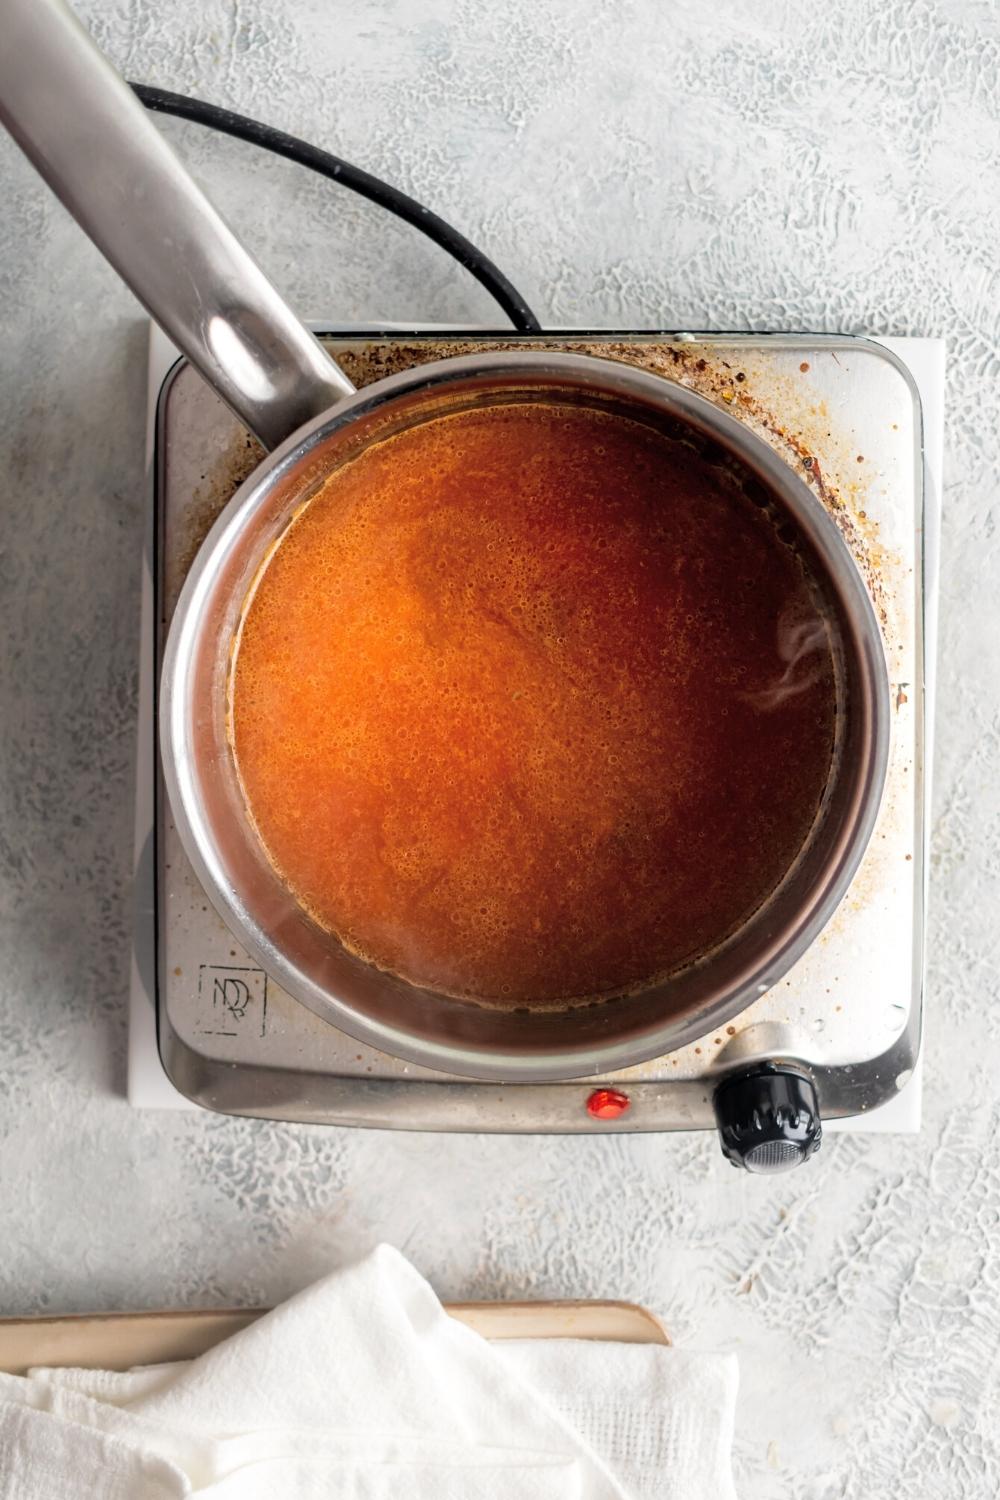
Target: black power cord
x=359 y=181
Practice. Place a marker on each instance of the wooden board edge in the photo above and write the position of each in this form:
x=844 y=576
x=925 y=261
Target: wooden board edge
x=611 y=1322
x=120 y=1341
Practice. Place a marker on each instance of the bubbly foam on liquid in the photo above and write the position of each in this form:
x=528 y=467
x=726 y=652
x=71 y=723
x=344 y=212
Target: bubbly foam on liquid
x=533 y=704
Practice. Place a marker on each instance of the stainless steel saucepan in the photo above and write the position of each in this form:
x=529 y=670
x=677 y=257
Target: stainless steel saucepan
x=94 y=144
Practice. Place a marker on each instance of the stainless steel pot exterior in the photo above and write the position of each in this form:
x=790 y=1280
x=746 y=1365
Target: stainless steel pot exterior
x=379 y=1008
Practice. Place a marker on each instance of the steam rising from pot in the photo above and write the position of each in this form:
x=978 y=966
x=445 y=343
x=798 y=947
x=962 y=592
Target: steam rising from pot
x=798 y=640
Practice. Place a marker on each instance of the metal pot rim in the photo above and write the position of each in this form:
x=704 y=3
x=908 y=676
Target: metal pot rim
x=613 y=1042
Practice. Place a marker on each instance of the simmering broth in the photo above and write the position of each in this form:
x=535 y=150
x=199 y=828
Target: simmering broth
x=534 y=704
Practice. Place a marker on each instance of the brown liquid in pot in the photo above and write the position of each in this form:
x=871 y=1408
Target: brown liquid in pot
x=533 y=704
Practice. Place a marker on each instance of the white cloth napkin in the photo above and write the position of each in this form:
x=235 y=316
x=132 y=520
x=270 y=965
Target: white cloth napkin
x=362 y=1388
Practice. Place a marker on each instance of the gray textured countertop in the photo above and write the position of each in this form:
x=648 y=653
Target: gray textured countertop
x=627 y=163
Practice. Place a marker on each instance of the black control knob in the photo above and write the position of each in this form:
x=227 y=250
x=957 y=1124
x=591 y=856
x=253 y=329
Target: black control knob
x=768 y=1117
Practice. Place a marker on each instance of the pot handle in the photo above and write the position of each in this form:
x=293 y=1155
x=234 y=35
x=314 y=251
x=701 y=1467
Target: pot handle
x=80 y=125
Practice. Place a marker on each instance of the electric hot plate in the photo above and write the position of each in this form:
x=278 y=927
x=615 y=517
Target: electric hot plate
x=838 y=1037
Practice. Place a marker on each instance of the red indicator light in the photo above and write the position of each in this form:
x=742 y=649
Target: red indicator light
x=607 y=1104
